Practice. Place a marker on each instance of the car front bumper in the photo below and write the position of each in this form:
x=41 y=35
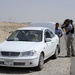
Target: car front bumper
x=19 y=62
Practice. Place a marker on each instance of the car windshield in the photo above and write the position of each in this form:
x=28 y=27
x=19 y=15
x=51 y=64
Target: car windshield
x=26 y=35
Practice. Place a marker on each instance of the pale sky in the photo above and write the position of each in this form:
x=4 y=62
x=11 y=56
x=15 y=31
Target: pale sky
x=36 y=10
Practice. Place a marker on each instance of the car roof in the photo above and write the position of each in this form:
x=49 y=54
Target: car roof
x=41 y=22
x=33 y=28
x=47 y=24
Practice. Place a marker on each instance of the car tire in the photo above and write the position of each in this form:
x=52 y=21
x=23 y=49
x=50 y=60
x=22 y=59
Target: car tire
x=55 y=56
x=41 y=62
x=58 y=49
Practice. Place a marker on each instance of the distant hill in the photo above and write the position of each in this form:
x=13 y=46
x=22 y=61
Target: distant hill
x=10 y=26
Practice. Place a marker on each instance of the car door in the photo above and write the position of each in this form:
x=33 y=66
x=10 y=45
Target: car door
x=54 y=41
x=48 y=44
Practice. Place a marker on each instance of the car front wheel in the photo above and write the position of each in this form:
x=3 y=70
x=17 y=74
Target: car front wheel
x=41 y=62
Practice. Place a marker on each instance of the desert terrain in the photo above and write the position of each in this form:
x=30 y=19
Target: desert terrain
x=7 y=27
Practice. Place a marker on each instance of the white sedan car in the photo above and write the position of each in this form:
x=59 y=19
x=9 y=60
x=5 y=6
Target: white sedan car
x=29 y=47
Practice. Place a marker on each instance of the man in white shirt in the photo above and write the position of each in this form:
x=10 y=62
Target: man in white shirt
x=70 y=38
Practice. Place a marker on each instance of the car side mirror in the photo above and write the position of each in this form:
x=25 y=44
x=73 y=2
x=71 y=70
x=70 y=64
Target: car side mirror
x=48 y=39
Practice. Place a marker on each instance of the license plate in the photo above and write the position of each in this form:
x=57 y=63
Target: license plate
x=8 y=62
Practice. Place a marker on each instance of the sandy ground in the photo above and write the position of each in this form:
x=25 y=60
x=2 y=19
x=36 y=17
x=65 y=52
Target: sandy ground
x=6 y=28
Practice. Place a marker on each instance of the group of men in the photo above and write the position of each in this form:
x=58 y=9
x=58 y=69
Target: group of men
x=69 y=30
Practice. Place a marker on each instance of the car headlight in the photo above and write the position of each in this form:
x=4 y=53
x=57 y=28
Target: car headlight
x=28 y=53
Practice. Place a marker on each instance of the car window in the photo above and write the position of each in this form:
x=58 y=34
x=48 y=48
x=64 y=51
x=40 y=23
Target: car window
x=47 y=34
x=26 y=35
x=52 y=34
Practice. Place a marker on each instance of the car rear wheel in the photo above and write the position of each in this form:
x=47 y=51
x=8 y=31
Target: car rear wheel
x=55 y=54
x=41 y=62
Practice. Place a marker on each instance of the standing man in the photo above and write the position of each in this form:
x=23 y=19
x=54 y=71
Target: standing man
x=58 y=30
x=59 y=33
x=70 y=37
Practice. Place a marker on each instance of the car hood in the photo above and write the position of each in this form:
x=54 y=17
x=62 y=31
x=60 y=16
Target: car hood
x=18 y=46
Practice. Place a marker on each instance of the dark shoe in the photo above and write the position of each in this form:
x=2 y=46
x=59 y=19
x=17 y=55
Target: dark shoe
x=67 y=56
x=73 y=55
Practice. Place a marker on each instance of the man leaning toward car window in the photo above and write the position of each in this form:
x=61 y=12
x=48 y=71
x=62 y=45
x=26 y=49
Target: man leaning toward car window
x=69 y=38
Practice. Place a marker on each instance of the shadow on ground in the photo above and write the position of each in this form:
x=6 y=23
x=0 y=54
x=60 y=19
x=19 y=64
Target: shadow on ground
x=11 y=70
x=61 y=56
x=15 y=70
